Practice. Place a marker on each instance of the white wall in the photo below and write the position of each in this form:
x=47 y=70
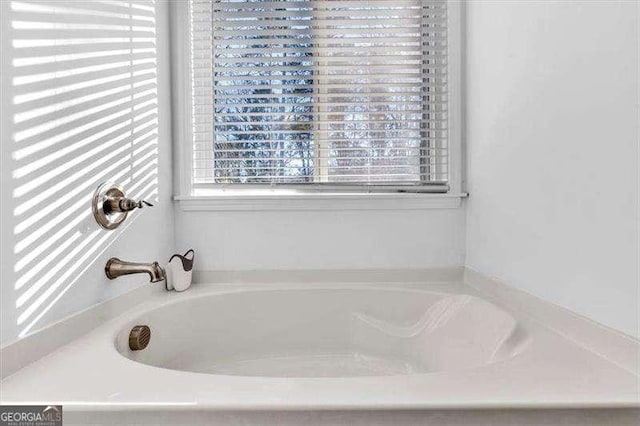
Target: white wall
x=54 y=284
x=552 y=139
x=354 y=239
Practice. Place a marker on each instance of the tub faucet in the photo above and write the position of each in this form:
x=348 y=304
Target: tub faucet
x=116 y=267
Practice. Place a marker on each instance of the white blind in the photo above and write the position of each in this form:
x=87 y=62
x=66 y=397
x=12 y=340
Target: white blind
x=320 y=92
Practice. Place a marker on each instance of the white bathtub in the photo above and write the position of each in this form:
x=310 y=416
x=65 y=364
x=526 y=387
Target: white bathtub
x=335 y=353
x=327 y=333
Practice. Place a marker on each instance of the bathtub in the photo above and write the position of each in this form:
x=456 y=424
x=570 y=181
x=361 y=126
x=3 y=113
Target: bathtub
x=355 y=349
x=322 y=332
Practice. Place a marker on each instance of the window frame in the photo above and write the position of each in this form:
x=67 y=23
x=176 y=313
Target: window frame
x=307 y=196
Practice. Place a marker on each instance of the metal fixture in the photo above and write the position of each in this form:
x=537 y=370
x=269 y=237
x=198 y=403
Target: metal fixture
x=110 y=205
x=116 y=268
x=139 y=337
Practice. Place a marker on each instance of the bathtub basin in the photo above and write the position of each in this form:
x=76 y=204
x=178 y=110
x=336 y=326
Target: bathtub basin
x=243 y=349
x=327 y=333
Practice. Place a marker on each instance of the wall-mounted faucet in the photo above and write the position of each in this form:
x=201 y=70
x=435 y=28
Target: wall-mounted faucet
x=110 y=205
x=116 y=267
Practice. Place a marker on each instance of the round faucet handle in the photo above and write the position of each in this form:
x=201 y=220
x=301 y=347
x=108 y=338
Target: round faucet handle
x=110 y=205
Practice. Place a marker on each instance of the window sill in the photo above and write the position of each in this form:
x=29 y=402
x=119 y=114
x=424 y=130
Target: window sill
x=320 y=201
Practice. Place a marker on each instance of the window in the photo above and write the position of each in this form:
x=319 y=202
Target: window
x=320 y=93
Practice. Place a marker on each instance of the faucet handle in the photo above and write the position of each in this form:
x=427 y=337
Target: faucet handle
x=127 y=204
x=110 y=205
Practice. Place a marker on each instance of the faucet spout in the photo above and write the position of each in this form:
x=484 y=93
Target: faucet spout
x=116 y=268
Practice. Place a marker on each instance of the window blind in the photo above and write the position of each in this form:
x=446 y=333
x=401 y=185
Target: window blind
x=319 y=92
